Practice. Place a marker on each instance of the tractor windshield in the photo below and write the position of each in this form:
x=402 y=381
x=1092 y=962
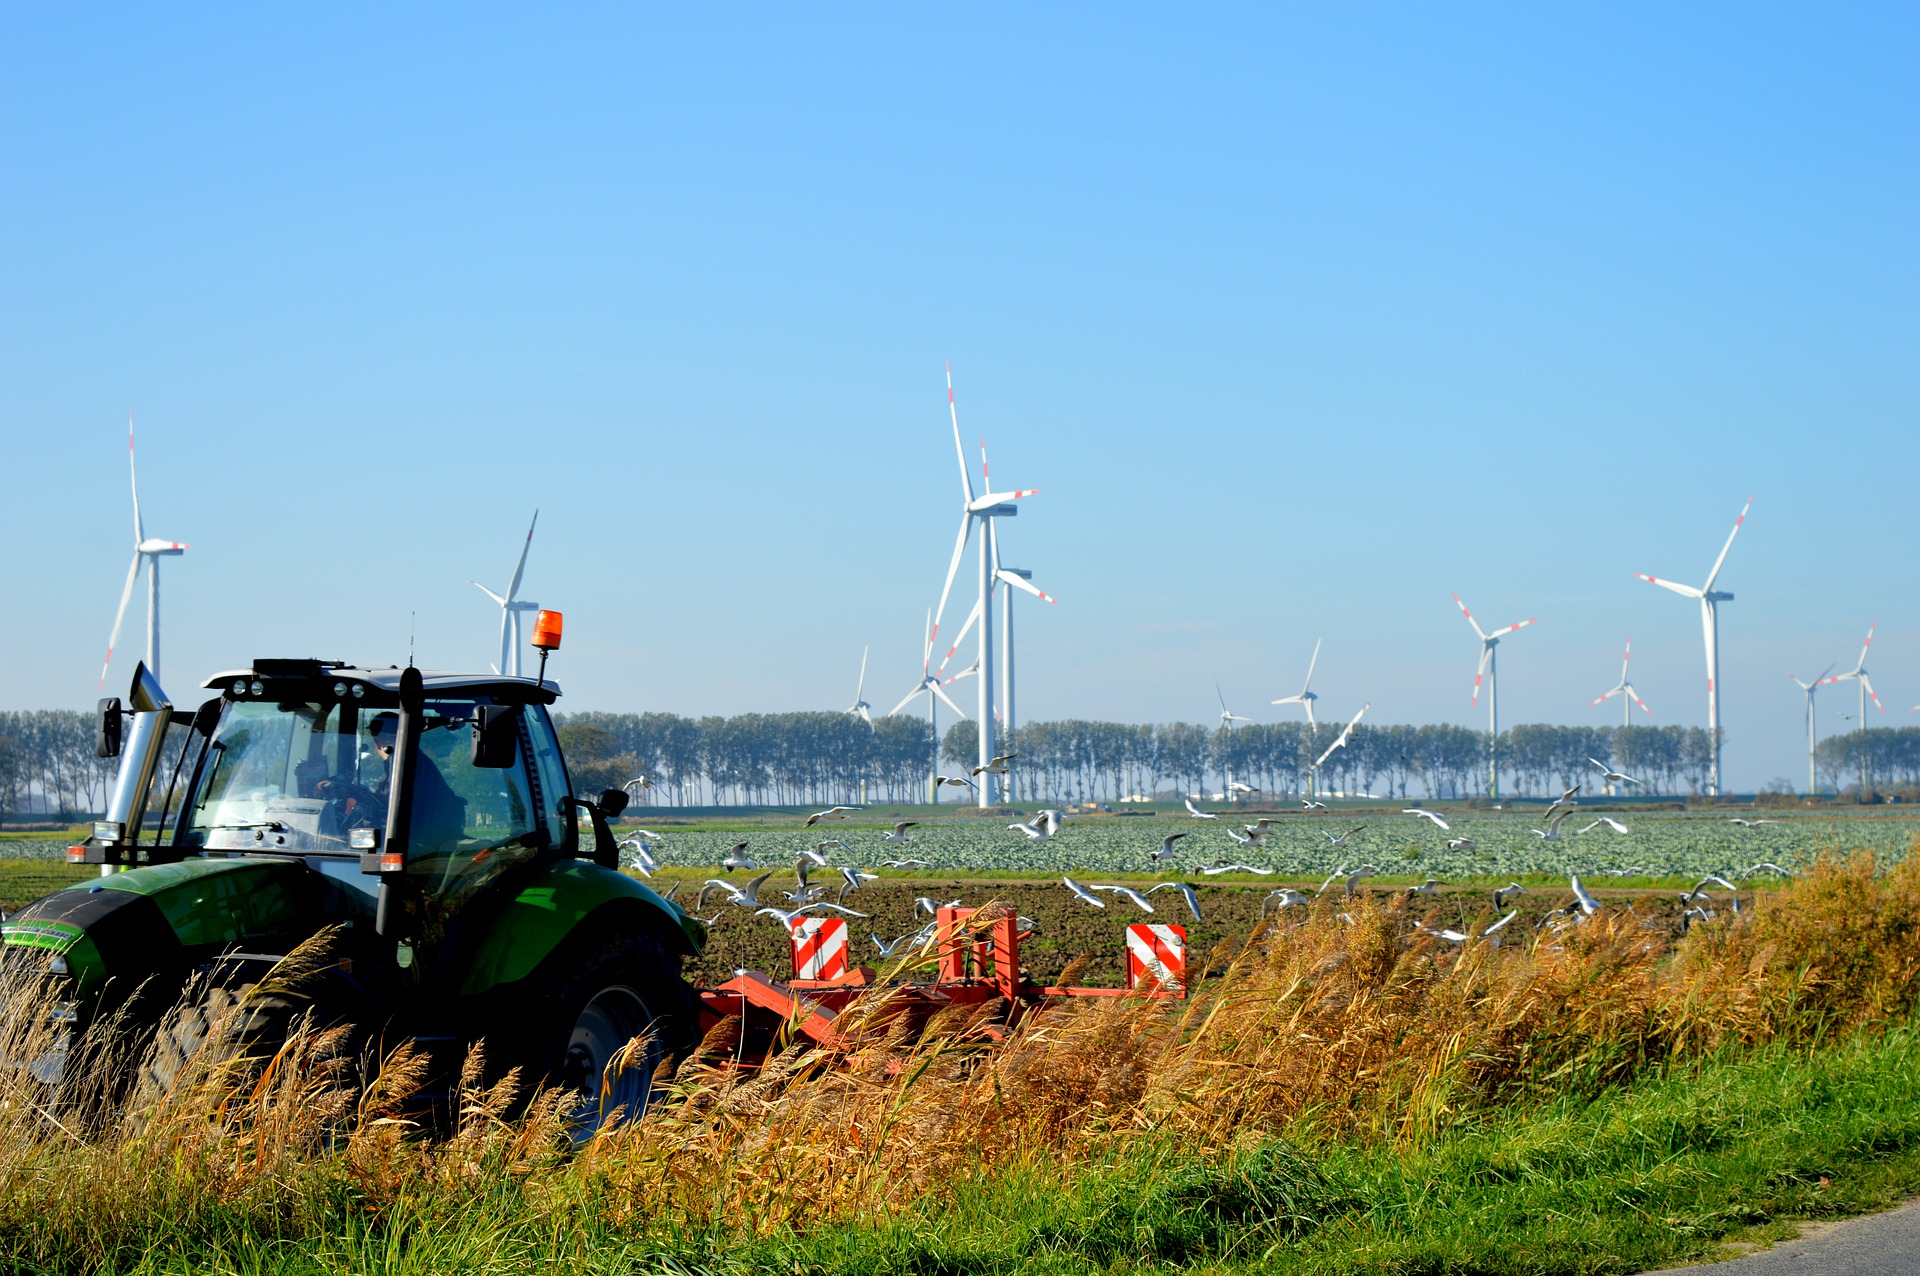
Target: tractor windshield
x=299 y=778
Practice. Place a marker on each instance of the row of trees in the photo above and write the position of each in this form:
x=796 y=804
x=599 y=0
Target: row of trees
x=47 y=763
x=1879 y=757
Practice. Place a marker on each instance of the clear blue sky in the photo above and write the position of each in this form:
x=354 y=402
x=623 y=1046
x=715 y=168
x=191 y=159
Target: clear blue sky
x=1300 y=320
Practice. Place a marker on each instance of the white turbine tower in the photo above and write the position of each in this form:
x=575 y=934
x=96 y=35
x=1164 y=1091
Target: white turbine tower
x=1858 y=674
x=1710 y=626
x=1625 y=689
x=512 y=607
x=929 y=686
x=1227 y=718
x=148 y=550
x=1489 y=669
x=983 y=509
x=1809 y=689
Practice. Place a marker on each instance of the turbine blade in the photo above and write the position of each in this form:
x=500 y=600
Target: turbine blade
x=1469 y=616
x=909 y=700
x=1867 y=684
x=1480 y=671
x=946 y=699
x=1861 y=664
x=1685 y=591
x=959 y=638
x=926 y=655
x=126 y=596
x=488 y=592
x=966 y=480
x=1624 y=659
x=133 y=473
x=1021 y=583
x=953 y=569
x=861 y=689
x=513 y=588
x=1637 y=700
x=1501 y=633
x=1610 y=695
x=1715 y=573
x=1310 y=664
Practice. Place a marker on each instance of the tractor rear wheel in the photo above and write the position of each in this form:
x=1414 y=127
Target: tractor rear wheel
x=599 y=991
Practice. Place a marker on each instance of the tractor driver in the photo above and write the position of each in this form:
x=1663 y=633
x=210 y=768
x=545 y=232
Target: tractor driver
x=439 y=814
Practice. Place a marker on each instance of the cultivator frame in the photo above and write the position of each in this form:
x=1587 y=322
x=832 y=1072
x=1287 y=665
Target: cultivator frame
x=978 y=962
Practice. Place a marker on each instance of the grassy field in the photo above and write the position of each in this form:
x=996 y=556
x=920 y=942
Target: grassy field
x=1338 y=1096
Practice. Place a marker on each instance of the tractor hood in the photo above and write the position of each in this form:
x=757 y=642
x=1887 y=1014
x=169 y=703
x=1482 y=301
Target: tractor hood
x=165 y=917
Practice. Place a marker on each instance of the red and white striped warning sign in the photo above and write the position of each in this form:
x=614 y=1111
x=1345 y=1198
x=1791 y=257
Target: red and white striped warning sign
x=819 y=948
x=1156 y=954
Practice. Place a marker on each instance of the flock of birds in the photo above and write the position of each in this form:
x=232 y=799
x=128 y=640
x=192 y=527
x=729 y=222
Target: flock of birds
x=842 y=881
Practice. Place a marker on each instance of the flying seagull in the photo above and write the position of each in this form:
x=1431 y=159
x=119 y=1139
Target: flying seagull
x=1186 y=893
x=1082 y=894
x=1425 y=814
x=1197 y=813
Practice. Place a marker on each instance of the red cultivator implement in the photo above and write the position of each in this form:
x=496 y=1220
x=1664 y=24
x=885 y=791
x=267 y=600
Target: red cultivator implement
x=976 y=958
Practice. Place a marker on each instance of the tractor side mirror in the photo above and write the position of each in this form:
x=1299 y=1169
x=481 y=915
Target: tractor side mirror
x=496 y=736
x=106 y=728
x=613 y=801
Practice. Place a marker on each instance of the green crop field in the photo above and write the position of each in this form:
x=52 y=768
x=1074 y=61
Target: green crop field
x=1662 y=843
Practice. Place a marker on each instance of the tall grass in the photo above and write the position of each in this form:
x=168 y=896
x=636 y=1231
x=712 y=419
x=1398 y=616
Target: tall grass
x=1314 y=1038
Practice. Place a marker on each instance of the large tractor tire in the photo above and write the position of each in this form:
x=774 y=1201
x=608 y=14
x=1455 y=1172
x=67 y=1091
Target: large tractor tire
x=256 y=1026
x=601 y=989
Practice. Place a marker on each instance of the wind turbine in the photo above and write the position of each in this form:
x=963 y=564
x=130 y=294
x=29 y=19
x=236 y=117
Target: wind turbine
x=148 y=550
x=1859 y=674
x=1306 y=696
x=512 y=607
x=861 y=709
x=1489 y=669
x=1710 y=626
x=1625 y=688
x=983 y=509
x=1227 y=718
x=1810 y=688
x=929 y=686
x=1012 y=578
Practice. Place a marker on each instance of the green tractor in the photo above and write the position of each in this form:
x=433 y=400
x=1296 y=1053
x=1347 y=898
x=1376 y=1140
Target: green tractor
x=424 y=821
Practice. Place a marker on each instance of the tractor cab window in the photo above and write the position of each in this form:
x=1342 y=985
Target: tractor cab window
x=302 y=777
x=555 y=815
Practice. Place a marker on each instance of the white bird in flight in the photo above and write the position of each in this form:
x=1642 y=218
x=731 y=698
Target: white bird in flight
x=1197 y=813
x=1082 y=894
x=1425 y=814
x=1186 y=893
x=831 y=813
x=1166 y=851
x=900 y=833
x=1610 y=775
x=1128 y=893
x=1607 y=820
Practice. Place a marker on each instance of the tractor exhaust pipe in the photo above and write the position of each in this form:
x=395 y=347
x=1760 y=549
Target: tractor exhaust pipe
x=152 y=714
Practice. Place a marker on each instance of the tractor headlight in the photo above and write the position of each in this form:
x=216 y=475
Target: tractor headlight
x=239 y=687
x=58 y=964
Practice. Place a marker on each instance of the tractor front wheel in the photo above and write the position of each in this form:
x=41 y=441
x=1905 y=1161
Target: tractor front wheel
x=600 y=991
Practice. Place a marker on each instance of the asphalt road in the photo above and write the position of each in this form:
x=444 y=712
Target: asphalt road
x=1877 y=1245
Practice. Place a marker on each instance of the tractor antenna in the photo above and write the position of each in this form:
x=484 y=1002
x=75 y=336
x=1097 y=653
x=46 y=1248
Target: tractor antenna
x=412 y=617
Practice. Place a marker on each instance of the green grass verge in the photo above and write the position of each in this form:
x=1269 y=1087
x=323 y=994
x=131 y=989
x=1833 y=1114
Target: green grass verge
x=1651 y=1174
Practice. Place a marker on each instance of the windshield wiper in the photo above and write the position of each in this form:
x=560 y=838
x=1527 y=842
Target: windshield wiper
x=271 y=826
